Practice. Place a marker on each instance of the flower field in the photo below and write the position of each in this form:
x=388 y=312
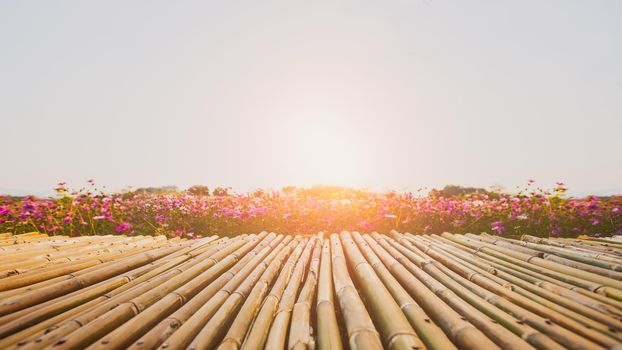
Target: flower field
x=337 y=291
x=535 y=211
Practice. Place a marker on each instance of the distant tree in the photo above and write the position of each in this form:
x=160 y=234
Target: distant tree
x=258 y=192
x=455 y=191
x=497 y=188
x=221 y=191
x=199 y=190
x=289 y=189
x=157 y=190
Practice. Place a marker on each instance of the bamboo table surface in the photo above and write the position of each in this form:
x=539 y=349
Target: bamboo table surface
x=324 y=291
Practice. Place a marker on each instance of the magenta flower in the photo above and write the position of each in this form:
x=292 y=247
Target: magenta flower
x=304 y=211
x=4 y=210
x=364 y=224
x=498 y=227
x=123 y=227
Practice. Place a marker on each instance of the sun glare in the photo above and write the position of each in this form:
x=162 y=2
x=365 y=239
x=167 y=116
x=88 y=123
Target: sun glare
x=328 y=152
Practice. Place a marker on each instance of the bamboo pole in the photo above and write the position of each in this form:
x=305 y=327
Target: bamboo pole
x=518 y=306
x=238 y=285
x=158 y=334
x=328 y=337
x=23 y=269
x=211 y=334
x=431 y=335
x=459 y=331
x=543 y=296
x=106 y=323
x=254 y=320
x=393 y=325
x=25 y=291
x=607 y=286
x=445 y=292
x=73 y=319
x=16 y=303
x=115 y=298
x=41 y=313
x=300 y=331
x=562 y=243
x=599 y=241
x=560 y=257
x=596 y=259
x=360 y=329
x=27 y=279
x=124 y=280
x=506 y=332
x=177 y=296
x=553 y=281
x=258 y=334
x=56 y=306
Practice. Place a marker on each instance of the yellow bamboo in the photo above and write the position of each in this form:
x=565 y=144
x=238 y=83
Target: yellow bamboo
x=395 y=330
x=571 y=308
x=158 y=334
x=415 y=291
x=126 y=334
x=246 y=301
x=300 y=331
x=290 y=276
x=440 y=302
x=41 y=312
x=430 y=333
x=225 y=300
x=525 y=309
x=112 y=319
x=560 y=257
x=359 y=327
x=16 y=303
x=328 y=337
x=257 y=313
x=72 y=319
x=584 y=279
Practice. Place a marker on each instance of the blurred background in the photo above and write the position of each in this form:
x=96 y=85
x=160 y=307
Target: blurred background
x=382 y=95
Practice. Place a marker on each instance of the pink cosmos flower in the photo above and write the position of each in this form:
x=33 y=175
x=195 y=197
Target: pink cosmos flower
x=123 y=227
x=364 y=224
x=498 y=227
x=4 y=210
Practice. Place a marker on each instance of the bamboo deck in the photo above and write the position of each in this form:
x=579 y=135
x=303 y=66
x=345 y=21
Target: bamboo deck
x=339 y=291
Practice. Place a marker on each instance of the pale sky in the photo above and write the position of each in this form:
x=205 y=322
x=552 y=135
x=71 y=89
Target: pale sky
x=264 y=94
